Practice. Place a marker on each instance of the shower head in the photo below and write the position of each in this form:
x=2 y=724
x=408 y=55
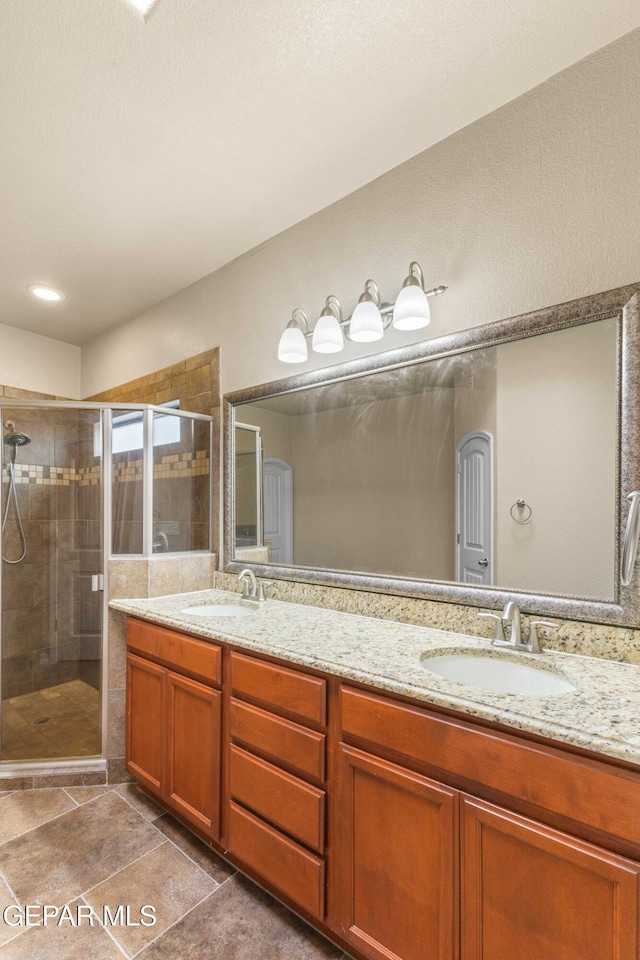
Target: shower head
x=14 y=439
x=17 y=439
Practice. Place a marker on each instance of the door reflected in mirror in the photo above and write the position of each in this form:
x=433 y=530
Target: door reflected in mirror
x=496 y=466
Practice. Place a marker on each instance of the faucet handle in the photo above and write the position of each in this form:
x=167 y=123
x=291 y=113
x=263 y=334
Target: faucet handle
x=534 y=640
x=260 y=594
x=499 y=631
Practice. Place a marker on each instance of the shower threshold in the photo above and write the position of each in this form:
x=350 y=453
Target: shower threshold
x=10 y=769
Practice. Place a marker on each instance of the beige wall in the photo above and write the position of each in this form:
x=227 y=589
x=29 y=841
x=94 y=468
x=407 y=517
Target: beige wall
x=556 y=449
x=32 y=362
x=274 y=428
x=401 y=449
x=532 y=205
x=475 y=395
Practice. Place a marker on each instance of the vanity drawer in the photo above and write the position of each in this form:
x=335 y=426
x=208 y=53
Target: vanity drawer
x=283 y=863
x=281 y=740
x=583 y=790
x=174 y=649
x=289 y=803
x=279 y=688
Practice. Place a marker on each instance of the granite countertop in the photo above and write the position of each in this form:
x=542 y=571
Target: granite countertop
x=602 y=714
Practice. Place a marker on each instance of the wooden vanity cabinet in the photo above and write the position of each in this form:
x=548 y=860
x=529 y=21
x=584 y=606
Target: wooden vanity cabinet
x=529 y=891
x=276 y=761
x=174 y=720
x=520 y=887
x=402 y=832
x=397 y=856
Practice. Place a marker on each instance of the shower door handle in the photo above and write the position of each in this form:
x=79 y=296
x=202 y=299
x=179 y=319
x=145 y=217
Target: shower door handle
x=97 y=582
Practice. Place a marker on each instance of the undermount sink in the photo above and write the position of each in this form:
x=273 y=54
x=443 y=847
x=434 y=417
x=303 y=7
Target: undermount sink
x=497 y=674
x=219 y=610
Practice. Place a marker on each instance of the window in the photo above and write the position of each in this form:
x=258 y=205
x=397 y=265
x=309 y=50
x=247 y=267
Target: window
x=126 y=433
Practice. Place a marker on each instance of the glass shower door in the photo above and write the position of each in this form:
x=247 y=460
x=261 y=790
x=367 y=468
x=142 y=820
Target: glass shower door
x=52 y=601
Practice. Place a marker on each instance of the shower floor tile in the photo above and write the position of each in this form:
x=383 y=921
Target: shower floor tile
x=72 y=728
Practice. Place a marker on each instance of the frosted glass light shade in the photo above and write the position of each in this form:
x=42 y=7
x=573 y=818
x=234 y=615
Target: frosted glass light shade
x=411 y=310
x=366 y=323
x=293 y=346
x=327 y=335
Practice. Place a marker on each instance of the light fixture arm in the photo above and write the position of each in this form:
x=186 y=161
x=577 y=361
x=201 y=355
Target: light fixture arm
x=371 y=293
x=416 y=276
x=333 y=306
x=299 y=319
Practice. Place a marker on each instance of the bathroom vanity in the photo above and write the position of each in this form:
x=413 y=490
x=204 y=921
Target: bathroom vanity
x=403 y=815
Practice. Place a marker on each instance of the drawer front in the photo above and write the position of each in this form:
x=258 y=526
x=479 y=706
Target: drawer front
x=582 y=790
x=285 y=864
x=176 y=650
x=279 y=739
x=289 y=803
x=279 y=688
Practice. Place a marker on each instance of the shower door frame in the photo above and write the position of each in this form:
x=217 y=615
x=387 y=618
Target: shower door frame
x=20 y=768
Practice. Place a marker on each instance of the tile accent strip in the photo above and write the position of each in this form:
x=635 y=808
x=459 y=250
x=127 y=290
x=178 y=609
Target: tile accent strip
x=177 y=465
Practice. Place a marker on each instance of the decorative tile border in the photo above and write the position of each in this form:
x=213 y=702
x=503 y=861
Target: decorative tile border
x=169 y=467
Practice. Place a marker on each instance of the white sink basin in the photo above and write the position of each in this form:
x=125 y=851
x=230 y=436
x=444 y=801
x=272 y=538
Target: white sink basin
x=219 y=610
x=496 y=674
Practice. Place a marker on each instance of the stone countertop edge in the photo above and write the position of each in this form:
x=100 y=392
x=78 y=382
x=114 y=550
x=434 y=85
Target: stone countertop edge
x=602 y=715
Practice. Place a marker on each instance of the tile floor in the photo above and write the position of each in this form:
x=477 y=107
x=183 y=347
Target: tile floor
x=72 y=728
x=91 y=847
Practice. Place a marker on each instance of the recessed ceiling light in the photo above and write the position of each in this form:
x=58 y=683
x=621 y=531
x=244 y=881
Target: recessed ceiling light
x=45 y=293
x=142 y=7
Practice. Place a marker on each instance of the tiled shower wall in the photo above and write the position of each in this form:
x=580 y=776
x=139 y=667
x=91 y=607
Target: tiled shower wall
x=181 y=481
x=51 y=619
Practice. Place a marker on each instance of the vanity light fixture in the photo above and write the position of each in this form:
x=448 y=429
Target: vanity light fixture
x=293 y=346
x=411 y=310
x=327 y=334
x=366 y=320
x=42 y=292
x=370 y=318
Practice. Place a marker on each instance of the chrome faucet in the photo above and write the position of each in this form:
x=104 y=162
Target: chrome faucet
x=511 y=614
x=248 y=577
x=253 y=589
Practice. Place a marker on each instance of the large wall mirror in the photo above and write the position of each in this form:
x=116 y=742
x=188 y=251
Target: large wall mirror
x=477 y=467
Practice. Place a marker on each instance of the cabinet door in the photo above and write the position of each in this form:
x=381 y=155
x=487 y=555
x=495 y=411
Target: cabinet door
x=193 y=738
x=397 y=855
x=532 y=892
x=146 y=728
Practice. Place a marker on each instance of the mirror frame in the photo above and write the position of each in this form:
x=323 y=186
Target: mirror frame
x=622 y=303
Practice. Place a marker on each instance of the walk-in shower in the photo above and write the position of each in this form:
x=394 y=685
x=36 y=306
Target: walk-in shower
x=82 y=483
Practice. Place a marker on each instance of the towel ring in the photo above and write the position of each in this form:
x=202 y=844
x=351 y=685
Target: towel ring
x=521 y=505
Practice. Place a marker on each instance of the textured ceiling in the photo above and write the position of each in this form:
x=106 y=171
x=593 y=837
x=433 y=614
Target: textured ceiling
x=136 y=158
